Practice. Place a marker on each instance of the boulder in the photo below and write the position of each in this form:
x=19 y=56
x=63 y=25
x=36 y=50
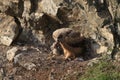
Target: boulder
x=117 y=56
x=8 y=29
x=30 y=66
x=27 y=57
x=48 y=7
x=11 y=53
x=2 y=73
x=12 y=7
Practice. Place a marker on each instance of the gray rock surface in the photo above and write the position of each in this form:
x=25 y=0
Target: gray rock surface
x=26 y=58
x=8 y=30
x=11 y=53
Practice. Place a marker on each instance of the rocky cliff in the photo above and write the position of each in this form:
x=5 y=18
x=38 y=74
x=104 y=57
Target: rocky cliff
x=32 y=22
x=35 y=21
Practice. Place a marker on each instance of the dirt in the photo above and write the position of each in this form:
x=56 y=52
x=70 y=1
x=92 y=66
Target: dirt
x=48 y=66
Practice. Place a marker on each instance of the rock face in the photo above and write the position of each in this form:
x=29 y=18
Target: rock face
x=93 y=19
x=8 y=29
x=36 y=14
x=31 y=23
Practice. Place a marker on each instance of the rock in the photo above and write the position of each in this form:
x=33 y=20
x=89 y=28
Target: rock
x=39 y=37
x=23 y=62
x=105 y=40
x=10 y=77
x=93 y=61
x=8 y=30
x=26 y=58
x=11 y=53
x=29 y=66
x=27 y=8
x=51 y=75
x=48 y=7
x=102 y=49
x=11 y=7
x=1 y=74
x=93 y=36
x=79 y=59
x=106 y=34
x=23 y=8
x=58 y=2
x=16 y=58
x=117 y=56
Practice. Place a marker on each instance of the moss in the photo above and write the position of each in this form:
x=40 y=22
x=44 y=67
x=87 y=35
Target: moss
x=104 y=70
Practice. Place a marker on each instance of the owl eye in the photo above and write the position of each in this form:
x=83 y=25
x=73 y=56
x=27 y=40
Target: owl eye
x=60 y=36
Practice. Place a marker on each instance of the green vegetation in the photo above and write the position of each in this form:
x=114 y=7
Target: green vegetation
x=104 y=70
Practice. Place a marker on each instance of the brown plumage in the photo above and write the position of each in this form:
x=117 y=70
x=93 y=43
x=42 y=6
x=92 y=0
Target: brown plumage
x=69 y=51
x=71 y=42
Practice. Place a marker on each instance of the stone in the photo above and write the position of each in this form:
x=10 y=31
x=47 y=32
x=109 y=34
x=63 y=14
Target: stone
x=16 y=58
x=1 y=76
x=26 y=58
x=30 y=66
x=27 y=8
x=102 y=49
x=48 y=7
x=93 y=61
x=106 y=40
x=106 y=34
x=39 y=37
x=80 y=59
x=11 y=7
x=22 y=61
x=117 y=56
x=11 y=53
x=8 y=30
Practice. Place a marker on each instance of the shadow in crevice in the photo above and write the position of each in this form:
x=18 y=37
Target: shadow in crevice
x=116 y=37
x=50 y=24
x=34 y=5
x=19 y=31
x=90 y=49
x=118 y=1
x=102 y=8
x=101 y=5
x=29 y=37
